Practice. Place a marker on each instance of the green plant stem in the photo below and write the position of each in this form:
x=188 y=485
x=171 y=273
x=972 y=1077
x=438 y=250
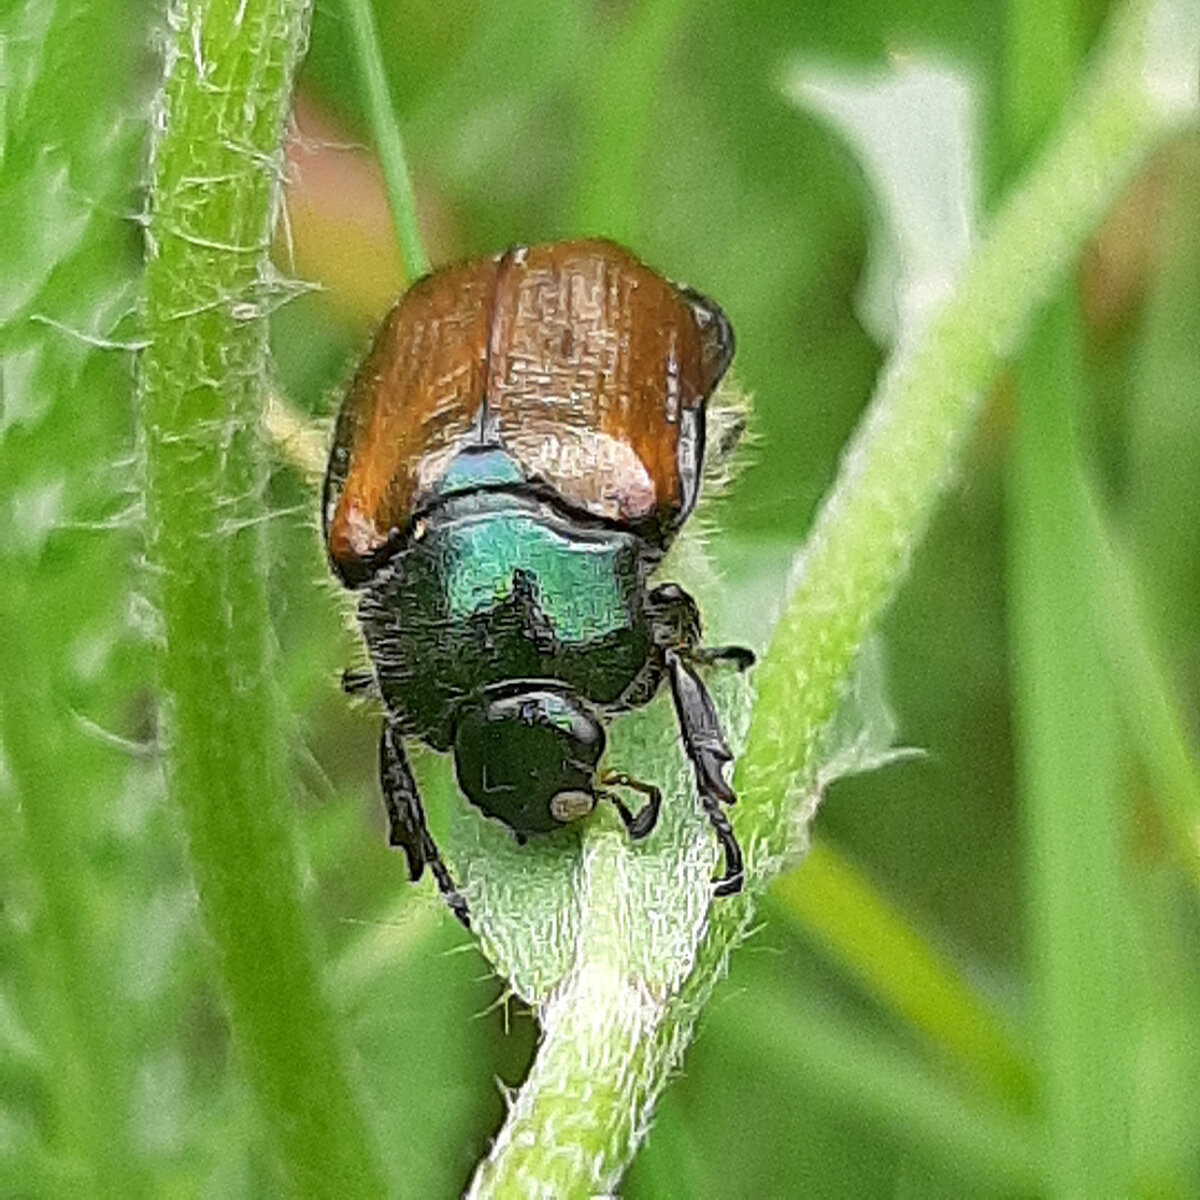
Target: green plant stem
x=900 y=461
x=216 y=170
x=606 y=1014
x=388 y=141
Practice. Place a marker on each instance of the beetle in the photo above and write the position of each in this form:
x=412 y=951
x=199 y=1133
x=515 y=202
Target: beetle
x=510 y=463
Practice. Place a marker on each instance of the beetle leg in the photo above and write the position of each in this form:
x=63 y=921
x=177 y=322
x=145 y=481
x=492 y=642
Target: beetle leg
x=406 y=820
x=674 y=616
x=641 y=824
x=358 y=681
x=705 y=746
x=676 y=622
x=740 y=657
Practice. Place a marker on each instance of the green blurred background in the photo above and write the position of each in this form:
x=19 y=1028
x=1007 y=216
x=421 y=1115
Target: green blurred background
x=661 y=124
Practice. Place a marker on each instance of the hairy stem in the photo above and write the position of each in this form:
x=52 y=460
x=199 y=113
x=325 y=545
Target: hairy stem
x=901 y=460
x=216 y=171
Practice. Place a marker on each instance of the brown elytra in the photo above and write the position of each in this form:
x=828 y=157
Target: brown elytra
x=587 y=367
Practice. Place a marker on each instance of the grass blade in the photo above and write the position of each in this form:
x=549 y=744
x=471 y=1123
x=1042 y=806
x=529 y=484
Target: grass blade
x=388 y=140
x=1150 y=709
x=833 y=902
x=1065 y=727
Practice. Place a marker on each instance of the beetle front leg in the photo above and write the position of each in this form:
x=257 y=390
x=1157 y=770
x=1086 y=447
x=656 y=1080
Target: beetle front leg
x=705 y=746
x=641 y=824
x=406 y=820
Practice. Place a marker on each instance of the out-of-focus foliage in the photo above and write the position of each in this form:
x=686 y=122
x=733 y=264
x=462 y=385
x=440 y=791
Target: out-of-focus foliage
x=663 y=124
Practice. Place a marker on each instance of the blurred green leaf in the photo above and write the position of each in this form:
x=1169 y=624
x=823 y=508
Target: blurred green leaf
x=65 y=543
x=1065 y=727
x=617 y=109
x=1150 y=709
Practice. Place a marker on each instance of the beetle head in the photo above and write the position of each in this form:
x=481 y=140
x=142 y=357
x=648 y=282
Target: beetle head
x=528 y=757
